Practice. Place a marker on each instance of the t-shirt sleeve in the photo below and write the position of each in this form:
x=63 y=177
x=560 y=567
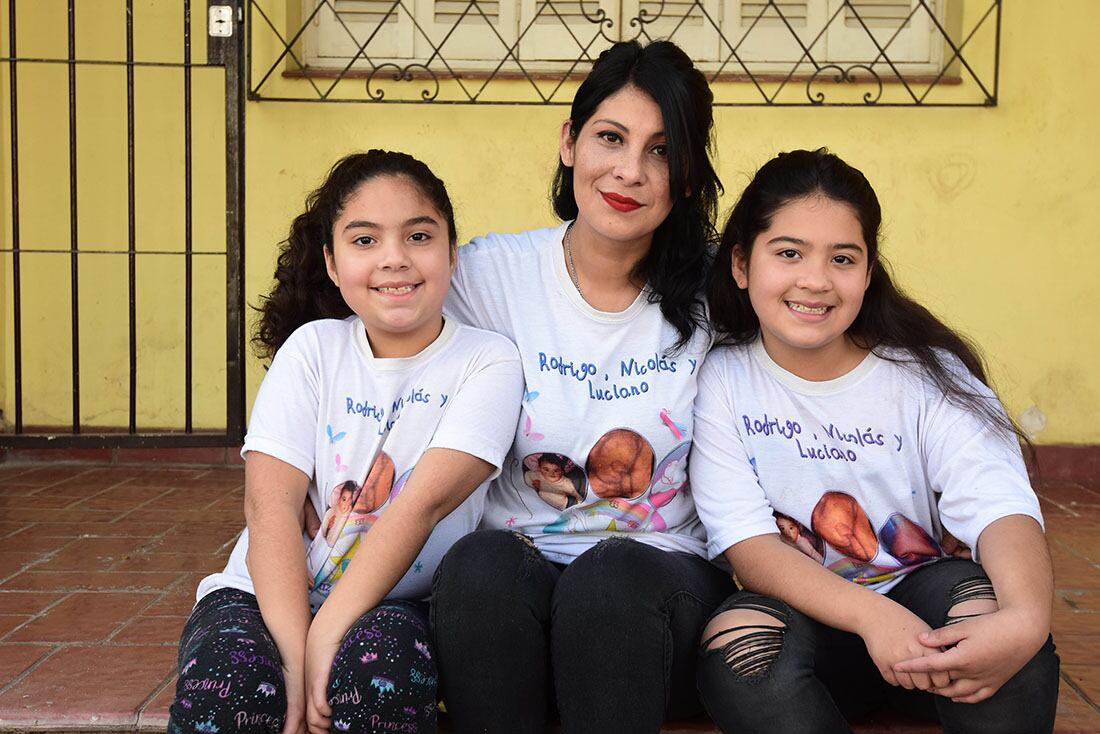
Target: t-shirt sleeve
x=728 y=495
x=284 y=416
x=977 y=469
x=471 y=298
x=482 y=415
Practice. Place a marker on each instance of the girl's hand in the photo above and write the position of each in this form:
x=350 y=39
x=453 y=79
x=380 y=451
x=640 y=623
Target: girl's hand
x=984 y=652
x=952 y=546
x=319 y=656
x=295 y=722
x=892 y=637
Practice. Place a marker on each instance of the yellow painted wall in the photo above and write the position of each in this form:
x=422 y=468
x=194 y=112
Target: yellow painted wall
x=989 y=213
x=102 y=219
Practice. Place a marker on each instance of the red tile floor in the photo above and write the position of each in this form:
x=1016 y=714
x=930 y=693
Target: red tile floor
x=98 y=566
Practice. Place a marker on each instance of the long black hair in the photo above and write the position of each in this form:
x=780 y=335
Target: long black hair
x=887 y=320
x=303 y=291
x=683 y=244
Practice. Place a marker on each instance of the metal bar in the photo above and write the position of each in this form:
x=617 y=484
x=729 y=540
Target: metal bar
x=131 y=213
x=458 y=77
x=248 y=48
x=992 y=102
x=96 y=62
x=74 y=270
x=500 y=103
x=287 y=45
x=956 y=53
x=86 y=251
x=120 y=440
x=234 y=230
x=13 y=85
x=188 y=232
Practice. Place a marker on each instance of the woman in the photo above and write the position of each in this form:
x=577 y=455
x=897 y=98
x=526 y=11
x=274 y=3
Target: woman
x=600 y=602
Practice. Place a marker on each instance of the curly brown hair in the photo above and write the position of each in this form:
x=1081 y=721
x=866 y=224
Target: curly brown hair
x=303 y=291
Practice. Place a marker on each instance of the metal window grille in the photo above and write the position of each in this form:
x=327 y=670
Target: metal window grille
x=159 y=108
x=755 y=53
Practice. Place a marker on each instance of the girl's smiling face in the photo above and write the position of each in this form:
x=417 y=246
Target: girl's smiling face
x=392 y=259
x=806 y=276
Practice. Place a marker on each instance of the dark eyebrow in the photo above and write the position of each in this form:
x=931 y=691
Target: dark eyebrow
x=613 y=123
x=360 y=224
x=364 y=224
x=624 y=128
x=786 y=238
x=847 y=246
x=796 y=241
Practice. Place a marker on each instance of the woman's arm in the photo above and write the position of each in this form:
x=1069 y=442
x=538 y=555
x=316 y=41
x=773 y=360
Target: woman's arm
x=767 y=565
x=273 y=496
x=989 y=649
x=441 y=481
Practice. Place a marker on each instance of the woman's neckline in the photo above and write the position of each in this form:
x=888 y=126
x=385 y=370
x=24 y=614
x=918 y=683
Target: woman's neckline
x=556 y=253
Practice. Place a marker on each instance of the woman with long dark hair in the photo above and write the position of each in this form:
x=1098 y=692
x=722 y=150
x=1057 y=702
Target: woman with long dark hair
x=596 y=606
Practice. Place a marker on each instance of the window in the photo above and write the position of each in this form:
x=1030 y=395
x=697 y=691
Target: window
x=725 y=36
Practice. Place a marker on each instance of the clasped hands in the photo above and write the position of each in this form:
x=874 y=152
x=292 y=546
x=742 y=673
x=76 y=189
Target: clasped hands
x=967 y=661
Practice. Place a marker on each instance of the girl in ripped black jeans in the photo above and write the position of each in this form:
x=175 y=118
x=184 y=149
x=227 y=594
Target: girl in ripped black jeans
x=844 y=439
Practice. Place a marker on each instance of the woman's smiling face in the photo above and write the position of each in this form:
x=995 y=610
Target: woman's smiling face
x=620 y=168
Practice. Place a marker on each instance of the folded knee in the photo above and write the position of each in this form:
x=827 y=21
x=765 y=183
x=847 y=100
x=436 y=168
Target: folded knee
x=617 y=566
x=749 y=638
x=971 y=598
x=485 y=556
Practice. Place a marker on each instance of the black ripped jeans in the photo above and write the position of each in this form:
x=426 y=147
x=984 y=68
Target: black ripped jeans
x=821 y=671
x=614 y=634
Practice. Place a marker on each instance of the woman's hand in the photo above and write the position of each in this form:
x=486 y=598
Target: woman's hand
x=983 y=653
x=294 y=683
x=892 y=636
x=311 y=522
x=320 y=652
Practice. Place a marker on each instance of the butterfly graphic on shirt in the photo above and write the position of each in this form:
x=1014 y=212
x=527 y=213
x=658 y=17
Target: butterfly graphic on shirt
x=332 y=436
x=530 y=434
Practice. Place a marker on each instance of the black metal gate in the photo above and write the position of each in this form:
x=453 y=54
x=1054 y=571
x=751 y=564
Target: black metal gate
x=141 y=373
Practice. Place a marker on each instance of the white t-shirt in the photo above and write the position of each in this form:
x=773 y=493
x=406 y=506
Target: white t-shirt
x=357 y=425
x=602 y=396
x=863 y=473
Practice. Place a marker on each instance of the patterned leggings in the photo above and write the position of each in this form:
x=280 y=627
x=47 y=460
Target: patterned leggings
x=231 y=677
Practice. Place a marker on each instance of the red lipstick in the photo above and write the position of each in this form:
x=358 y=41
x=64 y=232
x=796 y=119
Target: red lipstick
x=620 y=203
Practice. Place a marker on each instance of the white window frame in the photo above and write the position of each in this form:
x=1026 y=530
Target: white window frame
x=917 y=49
